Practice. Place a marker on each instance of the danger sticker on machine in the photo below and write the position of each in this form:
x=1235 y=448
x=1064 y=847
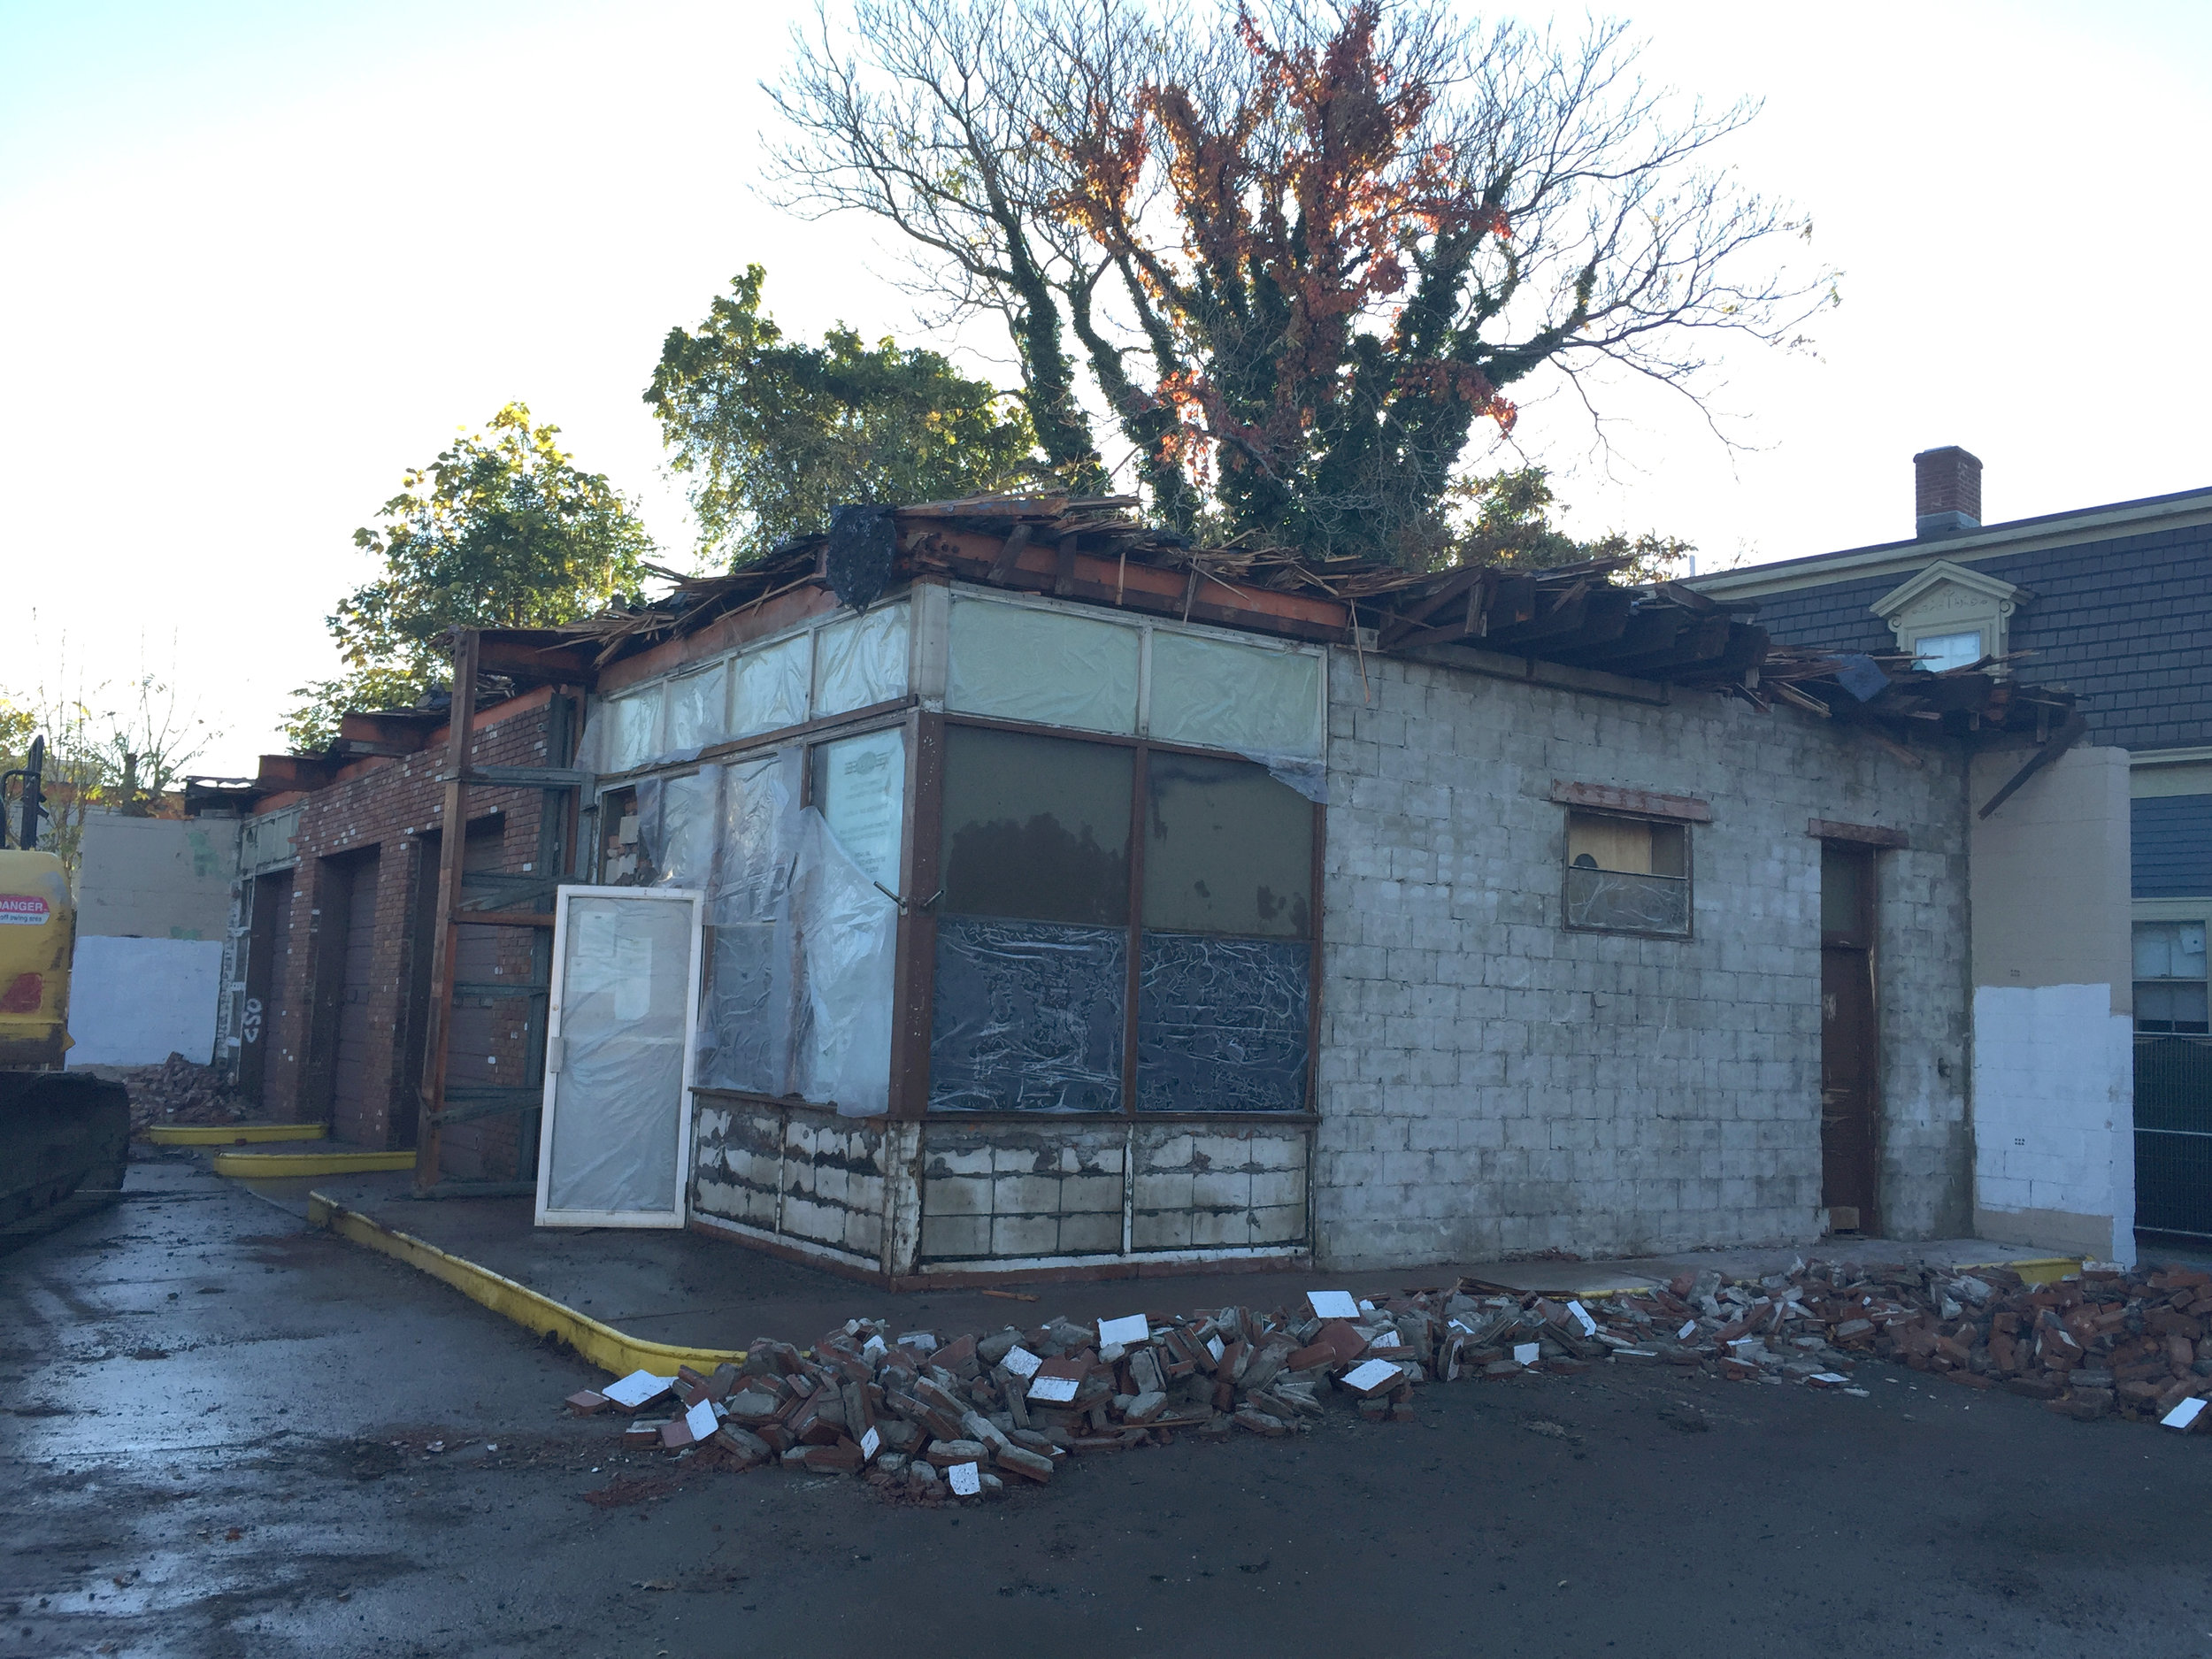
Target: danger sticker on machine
x=22 y=910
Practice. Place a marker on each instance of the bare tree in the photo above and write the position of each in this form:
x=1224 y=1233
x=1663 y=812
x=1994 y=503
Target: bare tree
x=1303 y=247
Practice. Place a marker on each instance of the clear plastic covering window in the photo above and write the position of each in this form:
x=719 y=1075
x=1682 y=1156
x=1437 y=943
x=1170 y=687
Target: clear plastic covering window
x=1219 y=695
x=1027 y=1017
x=745 y=1026
x=615 y=1136
x=847 y=933
x=698 y=709
x=1627 y=875
x=768 y=689
x=861 y=661
x=633 y=729
x=1043 y=666
x=677 y=822
x=1222 y=1024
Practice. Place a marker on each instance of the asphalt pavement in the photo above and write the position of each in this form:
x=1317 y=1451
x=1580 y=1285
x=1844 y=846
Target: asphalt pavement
x=217 y=1440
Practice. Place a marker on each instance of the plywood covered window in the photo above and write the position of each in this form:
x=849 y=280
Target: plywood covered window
x=1627 y=875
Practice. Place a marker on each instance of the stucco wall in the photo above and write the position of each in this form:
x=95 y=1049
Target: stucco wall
x=156 y=878
x=1492 y=1082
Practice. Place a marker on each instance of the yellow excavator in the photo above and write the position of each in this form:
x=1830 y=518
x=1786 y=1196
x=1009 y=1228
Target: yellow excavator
x=60 y=1131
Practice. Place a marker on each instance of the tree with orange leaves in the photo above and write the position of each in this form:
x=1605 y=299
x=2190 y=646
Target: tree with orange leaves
x=1304 y=250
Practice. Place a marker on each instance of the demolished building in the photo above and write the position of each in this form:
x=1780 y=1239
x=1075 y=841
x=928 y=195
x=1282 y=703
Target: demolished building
x=1004 y=886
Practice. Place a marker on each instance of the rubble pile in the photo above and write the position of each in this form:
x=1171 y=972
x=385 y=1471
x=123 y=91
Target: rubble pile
x=179 y=1092
x=925 y=1418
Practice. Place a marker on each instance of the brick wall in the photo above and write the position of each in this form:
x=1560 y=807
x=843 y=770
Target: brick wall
x=1492 y=1083
x=392 y=806
x=2126 y=622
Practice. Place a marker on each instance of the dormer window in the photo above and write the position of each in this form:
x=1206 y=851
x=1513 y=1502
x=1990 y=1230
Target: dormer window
x=1951 y=617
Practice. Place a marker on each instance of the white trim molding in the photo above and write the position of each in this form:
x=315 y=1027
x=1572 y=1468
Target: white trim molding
x=1948 y=599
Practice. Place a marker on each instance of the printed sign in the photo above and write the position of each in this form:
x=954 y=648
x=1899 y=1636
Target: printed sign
x=23 y=909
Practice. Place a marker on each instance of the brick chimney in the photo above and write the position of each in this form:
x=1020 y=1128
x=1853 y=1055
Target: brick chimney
x=1947 y=492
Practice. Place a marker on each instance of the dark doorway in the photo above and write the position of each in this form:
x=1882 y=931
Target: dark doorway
x=1850 y=1102
x=268 y=948
x=359 y=1089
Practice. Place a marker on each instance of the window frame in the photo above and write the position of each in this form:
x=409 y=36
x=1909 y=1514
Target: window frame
x=2168 y=913
x=918 y=983
x=1688 y=877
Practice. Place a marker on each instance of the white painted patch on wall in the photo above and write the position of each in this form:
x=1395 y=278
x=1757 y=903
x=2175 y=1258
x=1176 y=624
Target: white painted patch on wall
x=2055 y=1110
x=134 y=1001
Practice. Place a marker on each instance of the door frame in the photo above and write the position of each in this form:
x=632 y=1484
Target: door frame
x=696 y=899
x=1861 y=943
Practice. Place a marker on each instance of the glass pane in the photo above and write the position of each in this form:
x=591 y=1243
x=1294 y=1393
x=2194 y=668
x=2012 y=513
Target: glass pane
x=771 y=687
x=1842 y=891
x=1639 y=904
x=860 y=661
x=1039 y=665
x=677 y=822
x=618 y=1093
x=1242 y=697
x=2169 y=950
x=1938 y=652
x=1221 y=1024
x=1227 y=850
x=2169 y=1005
x=1036 y=827
x=1027 y=1017
x=634 y=729
x=698 y=709
x=860 y=789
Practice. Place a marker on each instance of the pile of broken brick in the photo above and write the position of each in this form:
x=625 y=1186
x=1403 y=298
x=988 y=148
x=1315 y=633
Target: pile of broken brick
x=925 y=1418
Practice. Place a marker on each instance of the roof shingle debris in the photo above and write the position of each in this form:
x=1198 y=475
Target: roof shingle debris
x=926 y=1418
x=1094 y=550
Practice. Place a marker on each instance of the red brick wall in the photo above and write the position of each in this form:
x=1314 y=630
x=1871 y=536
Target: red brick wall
x=395 y=804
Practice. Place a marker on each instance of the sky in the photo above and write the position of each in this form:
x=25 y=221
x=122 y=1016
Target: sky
x=257 y=259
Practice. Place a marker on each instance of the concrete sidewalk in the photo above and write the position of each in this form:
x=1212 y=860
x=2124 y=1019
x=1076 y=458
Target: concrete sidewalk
x=693 y=1291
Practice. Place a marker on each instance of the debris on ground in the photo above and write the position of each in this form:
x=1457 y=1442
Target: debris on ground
x=179 y=1092
x=927 y=1418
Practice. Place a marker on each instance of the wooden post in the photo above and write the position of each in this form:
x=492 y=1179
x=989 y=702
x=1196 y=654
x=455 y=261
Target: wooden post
x=453 y=846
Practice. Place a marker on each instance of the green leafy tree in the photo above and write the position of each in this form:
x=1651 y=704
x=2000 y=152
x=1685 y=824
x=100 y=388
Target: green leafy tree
x=771 y=434
x=501 y=530
x=1505 y=518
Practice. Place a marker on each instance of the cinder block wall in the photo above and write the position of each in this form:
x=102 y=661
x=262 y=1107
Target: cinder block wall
x=1492 y=1083
x=387 y=804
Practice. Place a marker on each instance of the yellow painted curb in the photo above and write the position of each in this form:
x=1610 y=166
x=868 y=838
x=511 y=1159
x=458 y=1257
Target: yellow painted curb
x=230 y=1134
x=603 y=1345
x=269 y=1166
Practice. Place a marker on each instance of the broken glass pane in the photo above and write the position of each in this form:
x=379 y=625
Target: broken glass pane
x=1221 y=1024
x=1036 y=827
x=1042 y=667
x=1218 y=694
x=1606 y=899
x=1228 y=850
x=1027 y=1017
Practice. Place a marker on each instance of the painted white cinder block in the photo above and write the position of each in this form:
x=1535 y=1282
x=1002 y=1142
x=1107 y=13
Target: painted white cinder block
x=135 y=1002
x=2054 y=1117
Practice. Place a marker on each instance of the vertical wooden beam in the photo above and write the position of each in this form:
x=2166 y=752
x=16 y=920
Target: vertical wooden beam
x=913 y=981
x=452 y=847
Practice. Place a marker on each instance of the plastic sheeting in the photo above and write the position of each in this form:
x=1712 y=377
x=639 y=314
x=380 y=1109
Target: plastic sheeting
x=615 y=1133
x=860 y=786
x=1222 y=1024
x=1041 y=665
x=745 y=1026
x=1027 y=1017
x=861 y=661
x=771 y=687
x=698 y=709
x=631 y=733
x=1241 y=697
x=846 y=931
x=676 y=827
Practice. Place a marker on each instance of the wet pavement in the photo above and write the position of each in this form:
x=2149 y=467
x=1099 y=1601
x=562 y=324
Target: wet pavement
x=216 y=1434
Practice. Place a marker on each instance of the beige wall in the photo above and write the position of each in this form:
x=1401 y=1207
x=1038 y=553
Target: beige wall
x=156 y=878
x=2054 y=1055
